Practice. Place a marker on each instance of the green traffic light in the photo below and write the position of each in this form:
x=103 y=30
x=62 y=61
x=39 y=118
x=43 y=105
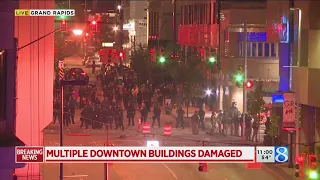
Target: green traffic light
x=313 y=175
x=212 y=59
x=239 y=78
x=62 y=17
x=162 y=60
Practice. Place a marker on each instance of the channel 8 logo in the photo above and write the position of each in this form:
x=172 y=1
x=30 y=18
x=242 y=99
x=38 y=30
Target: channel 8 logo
x=281 y=154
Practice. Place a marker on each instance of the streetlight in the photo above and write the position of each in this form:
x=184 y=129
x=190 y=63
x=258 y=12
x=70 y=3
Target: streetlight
x=115 y=28
x=77 y=32
x=208 y=92
x=119 y=7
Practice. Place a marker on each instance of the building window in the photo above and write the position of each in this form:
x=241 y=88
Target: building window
x=249 y=49
x=260 y=49
x=273 y=50
x=266 y=50
x=254 y=49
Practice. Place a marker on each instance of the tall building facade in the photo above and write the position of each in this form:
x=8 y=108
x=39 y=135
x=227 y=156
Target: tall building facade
x=160 y=22
x=302 y=78
x=199 y=34
x=34 y=81
x=135 y=25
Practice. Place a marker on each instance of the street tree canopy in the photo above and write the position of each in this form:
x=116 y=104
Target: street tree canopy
x=140 y=63
x=255 y=100
x=189 y=74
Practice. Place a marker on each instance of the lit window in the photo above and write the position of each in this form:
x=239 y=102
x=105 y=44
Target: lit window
x=260 y=49
x=266 y=49
x=273 y=50
x=254 y=49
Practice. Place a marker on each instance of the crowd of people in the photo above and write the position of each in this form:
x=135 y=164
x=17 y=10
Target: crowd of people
x=116 y=97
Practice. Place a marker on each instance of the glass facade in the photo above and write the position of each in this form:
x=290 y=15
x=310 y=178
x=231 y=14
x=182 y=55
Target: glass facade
x=259 y=49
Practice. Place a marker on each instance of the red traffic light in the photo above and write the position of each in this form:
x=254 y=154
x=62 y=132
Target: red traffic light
x=249 y=84
x=121 y=54
x=63 y=25
x=94 y=22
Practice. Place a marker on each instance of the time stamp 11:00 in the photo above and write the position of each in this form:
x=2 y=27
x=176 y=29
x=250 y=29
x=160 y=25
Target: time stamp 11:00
x=272 y=154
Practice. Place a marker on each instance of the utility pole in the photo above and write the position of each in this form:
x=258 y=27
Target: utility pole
x=219 y=52
x=219 y=34
x=291 y=47
x=61 y=74
x=174 y=26
x=120 y=9
x=245 y=62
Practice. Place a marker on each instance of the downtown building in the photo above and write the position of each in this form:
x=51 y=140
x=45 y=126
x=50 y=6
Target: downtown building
x=27 y=83
x=160 y=23
x=198 y=33
x=134 y=25
x=303 y=76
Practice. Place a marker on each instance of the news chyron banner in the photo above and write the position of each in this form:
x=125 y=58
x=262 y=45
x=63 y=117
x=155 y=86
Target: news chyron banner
x=44 y=12
x=52 y=154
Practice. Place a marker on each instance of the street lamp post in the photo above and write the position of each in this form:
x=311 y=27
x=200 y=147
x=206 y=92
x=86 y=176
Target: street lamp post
x=245 y=63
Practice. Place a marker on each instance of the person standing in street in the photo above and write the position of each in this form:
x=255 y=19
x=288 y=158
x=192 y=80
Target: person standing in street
x=180 y=114
x=144 y=113
x=156 y=115
x=194 y=123
x=93 y=67
x=201 y=116
x=255 y=128
x=130 y=114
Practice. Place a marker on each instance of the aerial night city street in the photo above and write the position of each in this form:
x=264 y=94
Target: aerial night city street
x=159 y=90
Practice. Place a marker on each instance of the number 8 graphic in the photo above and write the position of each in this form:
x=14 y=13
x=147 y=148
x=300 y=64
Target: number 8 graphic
x=281 y=154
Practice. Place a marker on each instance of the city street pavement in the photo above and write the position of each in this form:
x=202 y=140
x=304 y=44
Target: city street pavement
x=74 y=136
x=76 y=62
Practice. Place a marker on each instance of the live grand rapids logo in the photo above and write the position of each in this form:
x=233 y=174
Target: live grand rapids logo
x=44 y=12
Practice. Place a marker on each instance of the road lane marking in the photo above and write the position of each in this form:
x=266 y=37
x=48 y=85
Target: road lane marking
x=170 y=170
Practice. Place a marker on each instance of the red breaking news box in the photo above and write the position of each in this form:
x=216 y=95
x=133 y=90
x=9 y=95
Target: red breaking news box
x=29 y=154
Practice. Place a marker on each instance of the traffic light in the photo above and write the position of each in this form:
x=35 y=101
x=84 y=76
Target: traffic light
x=162 y=59
x=152 y=55
x=239 y=79
x=101 y=52
x=63 y=25
x=299 y=166
x=203 y=167
x=94 y=26
x=120 y=55
x=174 y=56
x=312 y=165
x=109 y=56
x=249 y=84
x=212 y=59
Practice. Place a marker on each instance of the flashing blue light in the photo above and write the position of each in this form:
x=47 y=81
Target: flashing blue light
x=277 y=98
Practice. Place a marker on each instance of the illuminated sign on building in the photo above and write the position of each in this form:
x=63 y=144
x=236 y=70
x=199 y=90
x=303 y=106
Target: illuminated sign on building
x=106 y=44
x=283 y=29
x=129 y=26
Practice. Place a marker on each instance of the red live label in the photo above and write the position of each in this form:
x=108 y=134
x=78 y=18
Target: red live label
x=29 y=154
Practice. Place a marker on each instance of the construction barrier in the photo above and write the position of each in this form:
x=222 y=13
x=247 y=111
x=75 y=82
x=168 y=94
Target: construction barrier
x=139 y=125
x=167 y=130
x=146 y=128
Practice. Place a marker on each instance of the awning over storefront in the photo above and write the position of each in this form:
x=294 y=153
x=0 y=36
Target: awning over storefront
x=250 y=28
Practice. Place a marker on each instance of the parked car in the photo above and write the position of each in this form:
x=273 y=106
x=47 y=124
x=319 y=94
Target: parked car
x=90 y=61
x=76 y=74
